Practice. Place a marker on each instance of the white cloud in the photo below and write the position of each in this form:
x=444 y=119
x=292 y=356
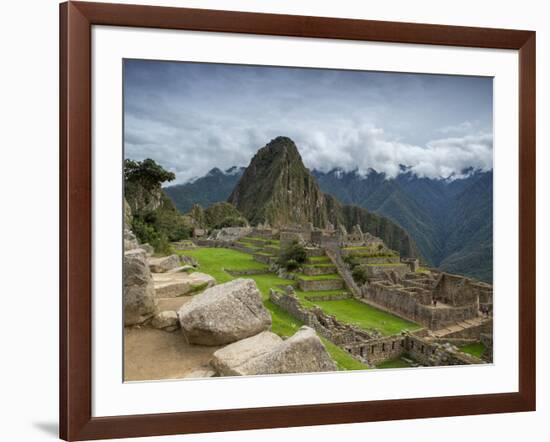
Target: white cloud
x=191 y=118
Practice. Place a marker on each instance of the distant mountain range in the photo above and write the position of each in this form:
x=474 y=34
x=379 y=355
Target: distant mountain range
x=211 y=188
x=449 y=220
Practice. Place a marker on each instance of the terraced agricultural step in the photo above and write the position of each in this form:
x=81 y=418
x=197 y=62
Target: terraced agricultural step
x=264 y=258
x=274 y=250
x=256 y=242
x=314 y=251
x=324 y=259
x=320 y=269
x=315 y=285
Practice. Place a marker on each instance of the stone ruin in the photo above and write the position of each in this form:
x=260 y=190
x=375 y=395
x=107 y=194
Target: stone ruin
x=326 y=325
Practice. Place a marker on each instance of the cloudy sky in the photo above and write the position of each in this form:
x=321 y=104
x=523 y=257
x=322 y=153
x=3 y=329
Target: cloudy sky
x=191 y=117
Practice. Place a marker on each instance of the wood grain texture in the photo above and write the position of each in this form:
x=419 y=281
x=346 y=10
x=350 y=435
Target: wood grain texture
x=76 y=20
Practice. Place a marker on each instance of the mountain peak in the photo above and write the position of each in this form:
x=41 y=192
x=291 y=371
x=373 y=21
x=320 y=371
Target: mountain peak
x=281 y=146
x=276 y=187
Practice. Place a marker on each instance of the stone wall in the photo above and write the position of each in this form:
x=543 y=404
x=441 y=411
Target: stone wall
x=314 y=251
x=413 y=263
x=436 y=354
x=423 y=351
x=320 y=284
x=336 y=258
x=473 y=332
x=378 y=350
x=456 y=290
x=414 y=303
x=322 y=270
x=377 y=271
x=327 y=326
x=339 y=297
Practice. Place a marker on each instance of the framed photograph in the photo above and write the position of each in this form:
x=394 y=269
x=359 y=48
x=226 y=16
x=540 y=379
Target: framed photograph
x=274 y=220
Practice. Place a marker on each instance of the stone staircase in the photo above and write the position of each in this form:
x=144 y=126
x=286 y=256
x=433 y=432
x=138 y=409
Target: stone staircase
x=460 y=328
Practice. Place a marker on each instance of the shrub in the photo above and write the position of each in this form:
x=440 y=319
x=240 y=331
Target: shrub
x=359 y=275
x=294 y=255
x=351 y=261
x=380 y=246
x=146 y=233
x=292 y=265
x=231 y=221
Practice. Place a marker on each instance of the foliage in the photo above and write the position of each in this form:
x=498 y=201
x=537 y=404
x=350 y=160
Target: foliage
x=351 y=261
x=147 y=173
x=198 y=216
x=146 y=233
x=359 y=275
x=223 y=215
x=231 y=221
x=292 y=265
x=294 y=254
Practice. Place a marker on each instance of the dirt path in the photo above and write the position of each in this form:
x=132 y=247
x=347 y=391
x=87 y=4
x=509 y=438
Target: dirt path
x=151 y=354
x=172 y=303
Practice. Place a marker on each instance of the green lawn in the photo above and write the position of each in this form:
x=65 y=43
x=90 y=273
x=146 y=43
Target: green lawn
x=213 y=260
x=476 y=349
x=365 y=316
x=394 y=363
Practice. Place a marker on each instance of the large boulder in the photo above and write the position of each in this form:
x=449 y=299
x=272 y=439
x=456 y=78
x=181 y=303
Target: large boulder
x=301 y=353
x=164 y=263
x=139 y=291
x=189 y=260
x=224 y=313
x=174 y=284
x=234 y=359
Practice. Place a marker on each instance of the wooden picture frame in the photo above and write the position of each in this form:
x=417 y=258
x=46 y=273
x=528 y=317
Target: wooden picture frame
x=76 y=21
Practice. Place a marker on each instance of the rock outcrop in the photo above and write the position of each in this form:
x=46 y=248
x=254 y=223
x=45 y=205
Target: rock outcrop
x=164 y=263
x=172 y=285
x=130 y=240
x=224 y=314
x=139 y=291
x=234 y=359
x=266 y=353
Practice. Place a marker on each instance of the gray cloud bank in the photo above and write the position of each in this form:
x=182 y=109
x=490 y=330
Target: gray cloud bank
x=191 y=117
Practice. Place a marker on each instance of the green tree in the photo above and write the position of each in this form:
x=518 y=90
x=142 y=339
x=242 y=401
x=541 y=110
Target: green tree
x=147 y=173
x=293 y=256
x=359 y=275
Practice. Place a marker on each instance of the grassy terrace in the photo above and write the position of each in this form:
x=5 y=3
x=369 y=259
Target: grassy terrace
x=318 y=277
x=359 y=314
x=394 y=363
x=322 y=264
x=214 y=260
x=476 y=349
x=319 y=260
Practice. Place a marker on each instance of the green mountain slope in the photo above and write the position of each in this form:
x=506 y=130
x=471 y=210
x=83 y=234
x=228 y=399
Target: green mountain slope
x=278 y=189
x=214 y=187
x=450 y=221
